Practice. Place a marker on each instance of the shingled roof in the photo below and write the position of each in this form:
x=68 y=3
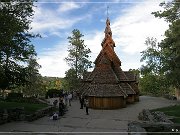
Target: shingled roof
x=104 y=90
x=130 y=75
x=107 y=79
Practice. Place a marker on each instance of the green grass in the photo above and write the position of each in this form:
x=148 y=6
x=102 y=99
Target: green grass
x=28 y=107
x=171 y=111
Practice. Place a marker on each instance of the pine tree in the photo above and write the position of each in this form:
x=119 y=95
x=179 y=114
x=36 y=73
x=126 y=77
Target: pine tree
x=78 y=56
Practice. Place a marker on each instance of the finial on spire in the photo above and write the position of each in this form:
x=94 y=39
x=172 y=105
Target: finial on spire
x=107 y=12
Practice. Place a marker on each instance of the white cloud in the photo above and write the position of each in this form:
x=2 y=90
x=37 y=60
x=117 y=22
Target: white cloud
x=93 y=42
x=49 y=21
x=129 y=29
x=52 y=61
x=136 y=24
x=68 y=6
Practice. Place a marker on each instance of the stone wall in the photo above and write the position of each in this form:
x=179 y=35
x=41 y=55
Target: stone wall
x=18 y=114
x=151 y=122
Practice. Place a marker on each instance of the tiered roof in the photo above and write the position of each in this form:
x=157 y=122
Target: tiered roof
x=107 y=79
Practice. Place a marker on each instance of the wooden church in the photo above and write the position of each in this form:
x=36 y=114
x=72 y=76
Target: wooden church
x=107 y=86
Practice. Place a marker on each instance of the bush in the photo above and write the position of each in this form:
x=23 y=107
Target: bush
x=18 y=97
x=29 y=100
x=14 y=95
x=53 y=93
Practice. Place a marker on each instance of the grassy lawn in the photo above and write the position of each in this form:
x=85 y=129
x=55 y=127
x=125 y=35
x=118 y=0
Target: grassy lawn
x=171 y=111
x=29 y=107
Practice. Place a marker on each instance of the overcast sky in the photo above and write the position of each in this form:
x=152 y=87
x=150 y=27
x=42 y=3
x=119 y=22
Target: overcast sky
x=131 y=23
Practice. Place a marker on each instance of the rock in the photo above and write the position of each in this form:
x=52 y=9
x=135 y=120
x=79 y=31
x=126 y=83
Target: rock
x=157 y=116
x=157 y=127
x=146 y=115
x=154 y=122
x=134 y=128
x=161 y=117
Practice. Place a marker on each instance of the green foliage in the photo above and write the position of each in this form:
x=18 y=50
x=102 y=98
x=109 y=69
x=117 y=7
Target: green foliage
x=163 y=59
x=170 y=46
x=34 y=84
x=66 y=86
x=23 y=100
x=15 y=44
x=151 y=57
x=3 y=79
x=14 y=95
x=52 y=82
x=78 y=54
x=28 y=107
x=154 y=85
x=77 y=59
x=53 y=93
x=71 y=81
x=171 y=11
x=153 y=80
x=171 y=111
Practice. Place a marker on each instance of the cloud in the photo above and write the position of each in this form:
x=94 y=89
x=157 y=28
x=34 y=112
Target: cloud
x=46 y=20
x=68 y=6
x=52 y=61
x=52 y=21
x=136 y=24
x=93 y=41
x=130 y=29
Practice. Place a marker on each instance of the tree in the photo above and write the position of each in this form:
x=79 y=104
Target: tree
x=71 y=81
x=170 y=46
x=33 y=82
x=152 y=57
x=78 y=54
x=162 y=69
x=153 y=79
x=15 y=43
x=77 y=58
x=34 y=85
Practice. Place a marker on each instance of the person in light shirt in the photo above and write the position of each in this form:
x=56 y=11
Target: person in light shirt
x=69 y=98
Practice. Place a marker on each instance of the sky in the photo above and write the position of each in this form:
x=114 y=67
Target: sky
x=131 y=23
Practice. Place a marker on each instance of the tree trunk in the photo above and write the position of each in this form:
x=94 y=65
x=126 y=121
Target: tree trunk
x=178 y=94
x=76 y=63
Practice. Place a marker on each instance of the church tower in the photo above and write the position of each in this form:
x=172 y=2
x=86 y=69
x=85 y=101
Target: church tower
x=107 y=86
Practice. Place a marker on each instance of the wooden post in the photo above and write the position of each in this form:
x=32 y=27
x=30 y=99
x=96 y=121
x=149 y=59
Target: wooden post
x=178 y=94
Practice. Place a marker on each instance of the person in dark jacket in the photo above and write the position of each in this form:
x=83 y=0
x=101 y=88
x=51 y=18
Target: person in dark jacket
x=87 y=105
x=61 y=108
x=81 y=99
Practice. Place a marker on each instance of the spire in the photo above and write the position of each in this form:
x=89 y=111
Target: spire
x=108 y=31
x=107 y=11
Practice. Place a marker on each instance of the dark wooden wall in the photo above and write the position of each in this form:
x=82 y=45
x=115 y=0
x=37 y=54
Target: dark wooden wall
x=107 y=102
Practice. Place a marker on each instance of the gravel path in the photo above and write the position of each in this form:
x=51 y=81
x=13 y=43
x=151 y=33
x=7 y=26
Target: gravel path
x=76 y=120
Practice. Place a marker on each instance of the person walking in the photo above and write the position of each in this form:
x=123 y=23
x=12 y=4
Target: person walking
x=61 y=107
x=69 y=98
x=87 y=105
x=81 y=99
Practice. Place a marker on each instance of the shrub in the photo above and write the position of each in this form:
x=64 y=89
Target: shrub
x=53 y=93
x=14 y=95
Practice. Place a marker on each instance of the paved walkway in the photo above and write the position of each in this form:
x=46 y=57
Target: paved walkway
x=76 y=120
